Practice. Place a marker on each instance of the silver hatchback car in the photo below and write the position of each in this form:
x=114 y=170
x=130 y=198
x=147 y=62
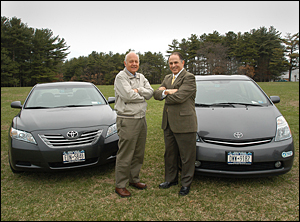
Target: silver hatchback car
x=241 y=133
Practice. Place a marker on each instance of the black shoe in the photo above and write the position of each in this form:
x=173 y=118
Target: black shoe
x=184 y=191
x=166 y=185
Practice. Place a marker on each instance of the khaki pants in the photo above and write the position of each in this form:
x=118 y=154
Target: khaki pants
x=132 y=139
x=183 y=145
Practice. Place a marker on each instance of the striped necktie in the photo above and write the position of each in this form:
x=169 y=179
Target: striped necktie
x=173 y=79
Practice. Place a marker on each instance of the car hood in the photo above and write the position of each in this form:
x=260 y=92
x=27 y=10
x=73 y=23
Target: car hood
x=59 y=118
x=222 y=123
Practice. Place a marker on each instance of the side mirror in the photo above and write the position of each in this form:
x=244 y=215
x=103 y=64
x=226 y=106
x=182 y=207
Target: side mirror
x=111 y=100
x=16 y=104
x=275 y=99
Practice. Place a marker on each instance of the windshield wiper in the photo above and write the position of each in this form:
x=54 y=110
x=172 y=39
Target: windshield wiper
x=53 y=107
x=223 y=104
x=72 y=106
x=234 y=104
x=226 y=104
x=246 y=104
x=38 y=107
x=213 y=104
x=203 y=105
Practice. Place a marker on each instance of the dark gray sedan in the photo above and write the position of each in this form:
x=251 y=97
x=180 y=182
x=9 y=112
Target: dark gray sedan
x=62 y=125
x=241 y=133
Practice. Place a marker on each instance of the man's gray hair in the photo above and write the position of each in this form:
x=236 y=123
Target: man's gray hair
x=129 y=53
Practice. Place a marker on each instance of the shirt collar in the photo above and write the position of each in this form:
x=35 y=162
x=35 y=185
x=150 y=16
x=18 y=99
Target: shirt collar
x=134 y=75
x=178 y=73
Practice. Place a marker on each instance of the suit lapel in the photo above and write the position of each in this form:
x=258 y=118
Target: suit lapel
x=181 y=75
x=178 y=79
x=169 y=81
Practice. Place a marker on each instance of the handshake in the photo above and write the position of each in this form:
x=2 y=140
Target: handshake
x=168 y=91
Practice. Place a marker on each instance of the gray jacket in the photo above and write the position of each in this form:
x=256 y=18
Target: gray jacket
x=130 y=104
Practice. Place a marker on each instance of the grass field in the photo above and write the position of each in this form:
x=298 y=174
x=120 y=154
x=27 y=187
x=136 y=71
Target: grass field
x=88 y=194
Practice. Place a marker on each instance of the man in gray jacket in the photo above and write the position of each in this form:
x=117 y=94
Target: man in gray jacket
x=131 y=90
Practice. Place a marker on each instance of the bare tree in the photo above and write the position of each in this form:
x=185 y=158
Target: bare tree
x=213 y=58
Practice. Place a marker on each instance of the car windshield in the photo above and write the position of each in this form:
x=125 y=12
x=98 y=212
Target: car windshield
x=63 y=96
x=231 y=93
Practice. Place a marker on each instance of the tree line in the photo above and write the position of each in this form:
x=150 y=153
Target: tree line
x=261 y=54
x=101 y=68
x=30 y=56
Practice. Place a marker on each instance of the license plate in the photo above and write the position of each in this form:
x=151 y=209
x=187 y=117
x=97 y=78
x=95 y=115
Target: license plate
x=73 y=156
x=244 y=158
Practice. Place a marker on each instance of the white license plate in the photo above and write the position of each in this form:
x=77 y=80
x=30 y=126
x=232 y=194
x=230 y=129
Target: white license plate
x=73 y=156
x=239 y=158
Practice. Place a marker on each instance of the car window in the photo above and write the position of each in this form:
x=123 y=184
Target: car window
x=50 y=97
x=234 y=91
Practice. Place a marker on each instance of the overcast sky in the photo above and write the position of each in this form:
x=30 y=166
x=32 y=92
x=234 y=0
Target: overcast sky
x=143 y=26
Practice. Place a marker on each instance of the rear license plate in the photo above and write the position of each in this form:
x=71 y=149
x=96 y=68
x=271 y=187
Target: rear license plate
x=244 y=158
x=73 y=156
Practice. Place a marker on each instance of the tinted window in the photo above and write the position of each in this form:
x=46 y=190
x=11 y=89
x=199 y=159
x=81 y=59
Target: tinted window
x=55 y=96
x=234 y=91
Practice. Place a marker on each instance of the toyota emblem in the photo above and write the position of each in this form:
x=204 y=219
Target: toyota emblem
x=72 y=134
x=238 y=135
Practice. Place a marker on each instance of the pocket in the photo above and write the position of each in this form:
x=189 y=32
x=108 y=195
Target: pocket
x=185 y=113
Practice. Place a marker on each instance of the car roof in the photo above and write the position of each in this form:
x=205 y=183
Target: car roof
x=69 y=83
x=222 y=77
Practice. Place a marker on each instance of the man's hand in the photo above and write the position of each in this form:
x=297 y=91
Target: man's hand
x=170 y=91
x=135 y=90
x=162 y=88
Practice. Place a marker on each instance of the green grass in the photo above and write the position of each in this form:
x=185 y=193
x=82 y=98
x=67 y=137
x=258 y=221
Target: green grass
x=88 y=194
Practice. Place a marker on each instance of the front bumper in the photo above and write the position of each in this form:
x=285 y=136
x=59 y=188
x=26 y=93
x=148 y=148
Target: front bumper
x=25 y=156
x=213 y=162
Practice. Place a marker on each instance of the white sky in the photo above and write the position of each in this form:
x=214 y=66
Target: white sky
x=143 y=26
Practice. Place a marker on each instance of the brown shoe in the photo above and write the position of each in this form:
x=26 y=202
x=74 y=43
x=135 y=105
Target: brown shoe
x=138 y=185
x=123 y=192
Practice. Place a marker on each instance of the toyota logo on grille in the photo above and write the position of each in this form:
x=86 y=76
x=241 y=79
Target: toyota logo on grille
x=238 y=135
x=72 y=134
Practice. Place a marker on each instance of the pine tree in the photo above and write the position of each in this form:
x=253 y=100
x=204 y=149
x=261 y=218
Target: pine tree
x=292 y=46
x=29 y=56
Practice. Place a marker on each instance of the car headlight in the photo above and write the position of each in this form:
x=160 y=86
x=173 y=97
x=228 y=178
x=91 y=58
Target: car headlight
x=283 y=131
x=111 y=130
x=21 y=135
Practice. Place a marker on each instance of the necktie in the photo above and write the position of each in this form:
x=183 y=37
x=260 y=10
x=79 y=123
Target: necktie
x=173 y=79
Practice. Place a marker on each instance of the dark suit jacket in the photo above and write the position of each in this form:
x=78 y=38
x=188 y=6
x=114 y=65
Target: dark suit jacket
x=179 y=109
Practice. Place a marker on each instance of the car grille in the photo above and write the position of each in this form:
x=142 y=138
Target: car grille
x=225 y=167
x=59 y=141
x=237 y=143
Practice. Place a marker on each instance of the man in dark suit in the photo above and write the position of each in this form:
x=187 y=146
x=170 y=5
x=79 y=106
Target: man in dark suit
x=179 y=123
